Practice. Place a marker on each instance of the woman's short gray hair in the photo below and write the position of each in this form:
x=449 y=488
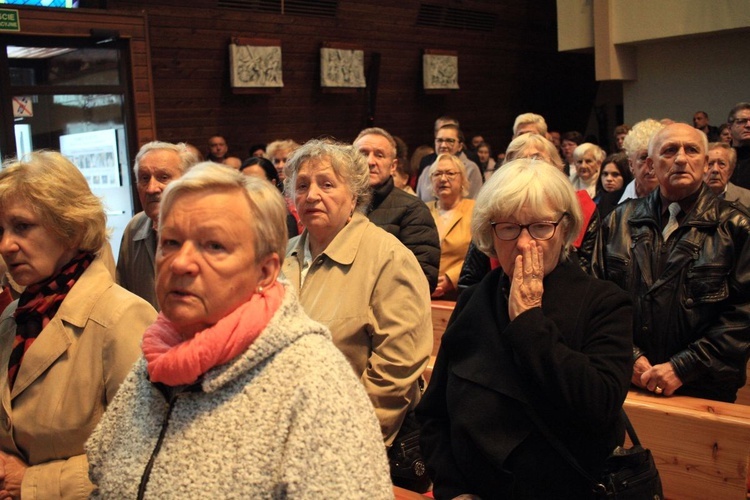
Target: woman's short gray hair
x=582 y=149
x=267 y=206
x=456 y=161
x=346 y=161
x=55 y=189
x=520 y=144
x=527 y=186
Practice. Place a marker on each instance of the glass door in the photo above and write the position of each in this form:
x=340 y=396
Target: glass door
x=71 y=95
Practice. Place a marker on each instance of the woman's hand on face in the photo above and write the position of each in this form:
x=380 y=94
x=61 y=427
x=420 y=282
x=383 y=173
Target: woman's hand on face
x=526 y=287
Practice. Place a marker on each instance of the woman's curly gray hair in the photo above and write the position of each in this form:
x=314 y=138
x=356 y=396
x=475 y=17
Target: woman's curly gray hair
x=347 y=162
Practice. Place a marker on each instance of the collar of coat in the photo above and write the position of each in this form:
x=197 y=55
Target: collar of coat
x=380 y=193
x=705 y=212
x=475 y=340
x=343 y=249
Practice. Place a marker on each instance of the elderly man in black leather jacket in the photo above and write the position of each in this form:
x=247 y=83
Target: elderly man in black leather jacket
x=691 y=290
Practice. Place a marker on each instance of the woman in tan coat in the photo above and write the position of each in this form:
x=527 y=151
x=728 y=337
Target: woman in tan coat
x=359 y=281
x=72 y=336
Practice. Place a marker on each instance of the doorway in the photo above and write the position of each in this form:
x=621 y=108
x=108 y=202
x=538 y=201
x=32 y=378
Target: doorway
x=72 y=95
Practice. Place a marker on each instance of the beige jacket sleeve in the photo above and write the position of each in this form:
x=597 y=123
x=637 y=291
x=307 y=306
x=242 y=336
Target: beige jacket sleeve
x=401 y=341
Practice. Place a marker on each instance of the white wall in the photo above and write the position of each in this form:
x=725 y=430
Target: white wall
x=677 y=78
x=575 y=25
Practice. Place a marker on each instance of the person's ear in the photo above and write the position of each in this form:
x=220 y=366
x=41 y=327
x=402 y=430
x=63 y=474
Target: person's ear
x=394 y=164
x=270 y=266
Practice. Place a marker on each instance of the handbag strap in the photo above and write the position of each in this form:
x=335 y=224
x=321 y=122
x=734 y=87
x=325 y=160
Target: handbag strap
x=565 y=454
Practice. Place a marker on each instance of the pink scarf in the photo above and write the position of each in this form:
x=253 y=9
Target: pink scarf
x=175 y=361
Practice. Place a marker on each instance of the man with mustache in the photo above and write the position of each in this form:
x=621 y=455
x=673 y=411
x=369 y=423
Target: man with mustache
x=684 y=256
x=722 y=159
x=156 y=165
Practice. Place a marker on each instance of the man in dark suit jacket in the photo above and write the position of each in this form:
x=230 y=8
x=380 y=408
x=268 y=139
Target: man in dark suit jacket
x=403 y=215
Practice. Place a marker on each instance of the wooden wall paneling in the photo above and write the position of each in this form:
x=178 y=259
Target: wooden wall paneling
x=513 y=69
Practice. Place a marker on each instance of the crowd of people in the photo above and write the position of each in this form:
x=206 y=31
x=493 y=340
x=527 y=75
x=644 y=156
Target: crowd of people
x=264 y=331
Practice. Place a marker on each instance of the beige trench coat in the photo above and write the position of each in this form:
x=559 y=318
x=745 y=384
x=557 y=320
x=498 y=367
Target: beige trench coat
x=66 y=380
x=369 y=290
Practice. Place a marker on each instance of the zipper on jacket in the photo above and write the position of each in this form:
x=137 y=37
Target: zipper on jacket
x=170 y=394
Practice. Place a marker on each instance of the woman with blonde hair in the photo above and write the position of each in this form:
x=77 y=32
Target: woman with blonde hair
x=452 y=214
x=67 y=343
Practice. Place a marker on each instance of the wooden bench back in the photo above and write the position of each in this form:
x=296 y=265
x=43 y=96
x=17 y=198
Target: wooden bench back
x=701 y=447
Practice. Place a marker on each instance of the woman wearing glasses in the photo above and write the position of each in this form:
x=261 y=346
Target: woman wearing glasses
x=537 y=334
x=452 y=214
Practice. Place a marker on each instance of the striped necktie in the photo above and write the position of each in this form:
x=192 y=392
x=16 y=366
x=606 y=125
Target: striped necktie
x=672 y=224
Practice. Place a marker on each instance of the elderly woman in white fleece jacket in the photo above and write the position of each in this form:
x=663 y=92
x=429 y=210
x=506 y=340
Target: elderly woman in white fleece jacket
x=238 y=393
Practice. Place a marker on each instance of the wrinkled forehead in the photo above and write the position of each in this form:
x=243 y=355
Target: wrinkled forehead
x=678 y=134
x=718 y=153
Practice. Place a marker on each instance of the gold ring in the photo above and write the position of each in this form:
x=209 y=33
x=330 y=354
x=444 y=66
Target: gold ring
x=658 y=390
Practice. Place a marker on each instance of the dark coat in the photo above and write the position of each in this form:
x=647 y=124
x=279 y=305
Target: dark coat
x=691 y=294
x=570 y=360
x=741 y=175
x=407 y=218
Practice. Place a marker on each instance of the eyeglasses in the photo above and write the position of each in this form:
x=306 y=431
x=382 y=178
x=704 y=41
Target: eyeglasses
x=741 y=121
x=440 y=140
x=449 y=174
x=541 y=231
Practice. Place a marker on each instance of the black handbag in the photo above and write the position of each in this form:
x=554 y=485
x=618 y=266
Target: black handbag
x=629 y=473
x=405 y=458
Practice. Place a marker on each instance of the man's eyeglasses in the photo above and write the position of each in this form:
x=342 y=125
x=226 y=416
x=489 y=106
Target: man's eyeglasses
x=440 y=140
x=541 y=231
x=449 y=174
x=741 y=121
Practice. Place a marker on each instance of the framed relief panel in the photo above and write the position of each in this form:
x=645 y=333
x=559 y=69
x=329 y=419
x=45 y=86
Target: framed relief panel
x=342 y=65
x=440 y=69
x=255 y=63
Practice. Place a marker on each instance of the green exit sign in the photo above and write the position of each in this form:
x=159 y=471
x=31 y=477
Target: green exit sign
x=9 y=20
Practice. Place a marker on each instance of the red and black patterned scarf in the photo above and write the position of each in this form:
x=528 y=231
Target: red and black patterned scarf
x=38 y=304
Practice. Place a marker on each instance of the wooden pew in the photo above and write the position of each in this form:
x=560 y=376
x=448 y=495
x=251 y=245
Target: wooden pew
x=701 y=447
x=441 y=313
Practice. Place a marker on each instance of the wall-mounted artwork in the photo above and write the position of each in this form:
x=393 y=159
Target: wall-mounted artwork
x=440 y=69
x=255 y=63
x=342 y=65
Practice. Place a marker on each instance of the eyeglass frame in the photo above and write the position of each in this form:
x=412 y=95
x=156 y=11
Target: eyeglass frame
x=447 y=140
x=448 y=175
x=527 y=227
x=741 y=121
